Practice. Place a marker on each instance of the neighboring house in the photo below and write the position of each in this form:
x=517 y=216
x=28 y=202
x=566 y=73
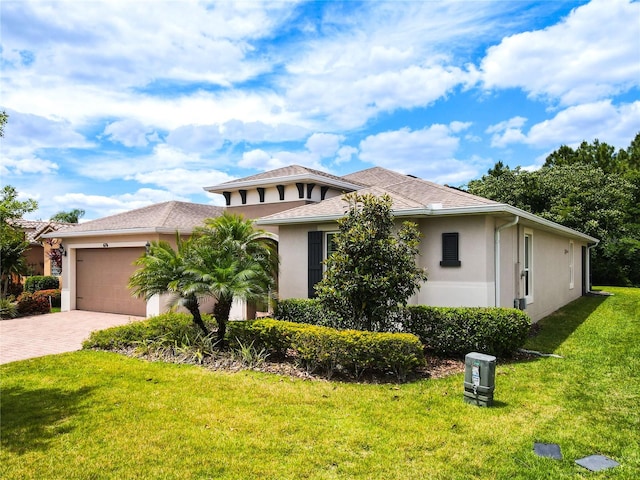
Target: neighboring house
x=477 y=252
x=37 y=256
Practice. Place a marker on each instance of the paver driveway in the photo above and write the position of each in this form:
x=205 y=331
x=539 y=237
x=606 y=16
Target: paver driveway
x=39 y=335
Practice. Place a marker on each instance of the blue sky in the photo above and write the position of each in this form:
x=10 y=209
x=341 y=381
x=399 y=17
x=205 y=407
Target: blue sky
x=117 y=105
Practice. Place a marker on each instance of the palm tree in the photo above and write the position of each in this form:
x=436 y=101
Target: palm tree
x=165 y=270
x=231 y=259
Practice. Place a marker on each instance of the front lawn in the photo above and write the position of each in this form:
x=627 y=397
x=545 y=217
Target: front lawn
x=102 y=415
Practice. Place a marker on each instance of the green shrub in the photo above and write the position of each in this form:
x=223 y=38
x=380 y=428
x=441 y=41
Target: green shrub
x=327 y=350
x=39 y=282
x=53 y=294
x=306 y=310
x=274 y=336
x=458 y=331
x=8 y=309
x=30 y=304
x=160 y=331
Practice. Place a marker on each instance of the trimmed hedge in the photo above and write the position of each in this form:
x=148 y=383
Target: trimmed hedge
x=39 y=282
x=328 y=350
x=458 y=331
x=443 y=330
x=32 y=304
x=163 y=329
x=306 y=310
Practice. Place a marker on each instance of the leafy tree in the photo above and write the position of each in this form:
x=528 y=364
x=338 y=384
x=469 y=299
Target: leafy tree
x=371 y=271
x=12 y=239
x=3 y=120
x=591 y=189
x=165 y=270
x=232 y=260
x=72 y=216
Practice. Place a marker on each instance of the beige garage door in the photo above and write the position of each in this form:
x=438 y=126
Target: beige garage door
x=101 y=280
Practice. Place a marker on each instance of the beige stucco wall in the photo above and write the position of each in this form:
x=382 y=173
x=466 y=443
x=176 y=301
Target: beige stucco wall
x=471 y=284
x=551 y=273
x=293 y=250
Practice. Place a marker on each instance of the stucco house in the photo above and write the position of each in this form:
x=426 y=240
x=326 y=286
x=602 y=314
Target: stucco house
x=478 y=252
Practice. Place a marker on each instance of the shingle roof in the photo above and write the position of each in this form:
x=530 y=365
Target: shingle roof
x=34 y=228
x=288 y=171
x=181 y=216
x=417 y=189
x=337 y=207
x=406 y=192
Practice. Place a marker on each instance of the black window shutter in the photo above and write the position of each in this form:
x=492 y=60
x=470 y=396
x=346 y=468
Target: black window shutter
x=315 y=262
x=450 y=250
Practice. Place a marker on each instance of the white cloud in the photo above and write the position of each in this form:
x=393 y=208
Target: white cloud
x=25 y=130
x=180 y=181
x=255 y=132
x=345 y=154
x=129 y=132
x=324 y=144
x=109 y=205
x=258 y=159
x=585 y=57
x=509 y=131
x=616 y=125
x=192 y=138
x=26 y=165
x=427 y=153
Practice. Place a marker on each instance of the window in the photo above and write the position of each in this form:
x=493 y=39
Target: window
x=331 y=244
x=450 y=256
x=527 y=272
x=571 y=269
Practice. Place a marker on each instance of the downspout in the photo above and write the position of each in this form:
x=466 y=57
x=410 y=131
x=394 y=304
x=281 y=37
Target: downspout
x=589 y=247
x=496 y=256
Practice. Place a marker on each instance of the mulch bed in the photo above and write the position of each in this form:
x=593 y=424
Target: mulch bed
x=436 y=367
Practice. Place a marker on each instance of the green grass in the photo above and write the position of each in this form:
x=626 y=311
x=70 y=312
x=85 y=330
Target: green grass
x=100 y=415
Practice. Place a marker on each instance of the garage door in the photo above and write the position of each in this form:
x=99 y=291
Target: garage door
x=101 y=280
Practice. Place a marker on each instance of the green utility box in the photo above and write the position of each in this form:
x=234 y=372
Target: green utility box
x=479 y=379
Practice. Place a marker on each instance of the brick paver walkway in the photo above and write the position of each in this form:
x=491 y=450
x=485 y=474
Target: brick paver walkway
x=40 y=335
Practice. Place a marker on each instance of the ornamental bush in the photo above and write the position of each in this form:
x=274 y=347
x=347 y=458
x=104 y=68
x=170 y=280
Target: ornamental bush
x=161 y=330
x=458 y=331
x=40 y=282
x=53 y=294
x=30 y=304
x=328 y=351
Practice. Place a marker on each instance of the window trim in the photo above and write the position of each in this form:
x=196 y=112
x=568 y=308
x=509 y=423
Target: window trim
x=527 y=265
x=571 y=265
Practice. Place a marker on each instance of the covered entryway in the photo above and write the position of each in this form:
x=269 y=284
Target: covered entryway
x=102 y=275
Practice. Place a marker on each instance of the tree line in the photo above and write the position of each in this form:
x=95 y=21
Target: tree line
x=593 y=189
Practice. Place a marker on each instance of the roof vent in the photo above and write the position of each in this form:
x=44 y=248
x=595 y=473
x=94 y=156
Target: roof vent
x=434 y=206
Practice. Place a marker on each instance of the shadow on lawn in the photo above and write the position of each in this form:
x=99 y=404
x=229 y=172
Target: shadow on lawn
x=553 y=331
x=32 y=418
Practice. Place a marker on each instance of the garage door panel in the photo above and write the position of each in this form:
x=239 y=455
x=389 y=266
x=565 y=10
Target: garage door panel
x=102 y=275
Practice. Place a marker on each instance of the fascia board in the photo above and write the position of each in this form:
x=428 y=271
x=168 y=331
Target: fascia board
x=266 y=182
x=110 y=233
x=493 y=209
